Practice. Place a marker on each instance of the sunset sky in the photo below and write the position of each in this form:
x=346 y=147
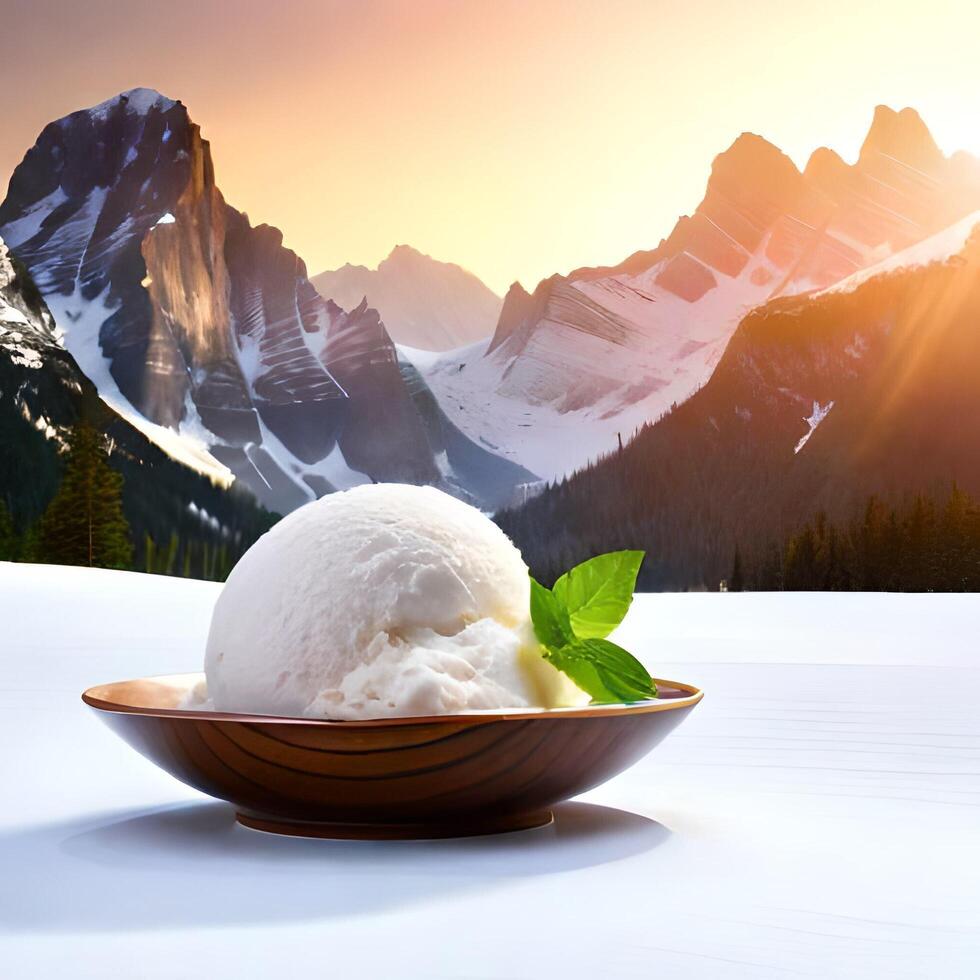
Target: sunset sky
x=515 y=138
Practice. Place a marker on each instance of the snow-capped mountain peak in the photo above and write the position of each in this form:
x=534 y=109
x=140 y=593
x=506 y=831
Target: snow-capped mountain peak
x=136 y=100
x=188 y=318
x=425 y=304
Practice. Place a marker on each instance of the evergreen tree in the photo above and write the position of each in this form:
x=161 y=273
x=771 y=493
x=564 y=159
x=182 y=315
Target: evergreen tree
x=28 y=549
x=922 y=545
x=84 y=523
x=8 y=536
x=170 y=558
x=953 y=535
x=737 y=582
x=921 y=530
x=801 y=556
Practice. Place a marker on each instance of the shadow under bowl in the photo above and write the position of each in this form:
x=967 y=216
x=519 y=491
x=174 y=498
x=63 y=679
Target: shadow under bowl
x=388 y=778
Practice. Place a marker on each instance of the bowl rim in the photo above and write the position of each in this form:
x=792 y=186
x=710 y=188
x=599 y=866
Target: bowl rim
x=93 y=700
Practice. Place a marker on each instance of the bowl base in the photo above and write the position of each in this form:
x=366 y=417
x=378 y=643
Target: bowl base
x=463 y=827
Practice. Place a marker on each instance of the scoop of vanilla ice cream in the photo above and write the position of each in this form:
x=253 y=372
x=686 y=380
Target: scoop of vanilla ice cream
x=383 y=600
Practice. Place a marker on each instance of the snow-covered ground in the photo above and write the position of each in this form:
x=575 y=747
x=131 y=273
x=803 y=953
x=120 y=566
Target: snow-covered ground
x=815 y=816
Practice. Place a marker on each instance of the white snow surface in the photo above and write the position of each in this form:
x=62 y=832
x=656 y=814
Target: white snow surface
x=819 y=413
x=333 y=468
x=425 y=359
x=138 y=100
x=815 y=815
x=29 y=224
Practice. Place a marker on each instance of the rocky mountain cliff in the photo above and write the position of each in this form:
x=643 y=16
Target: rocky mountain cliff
x=43 y=394
x=868 y=387
x=585 y=359
x=425 y=304
x=185 y=315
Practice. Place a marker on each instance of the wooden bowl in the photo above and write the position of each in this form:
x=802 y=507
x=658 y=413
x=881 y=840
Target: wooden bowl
x=440 y=776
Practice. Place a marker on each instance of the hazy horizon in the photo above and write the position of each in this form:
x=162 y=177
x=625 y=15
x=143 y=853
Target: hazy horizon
x=554 y=142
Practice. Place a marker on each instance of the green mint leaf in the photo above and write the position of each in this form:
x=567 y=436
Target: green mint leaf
x=598 y=592
x=620 y=672
x=549 y=618
x=571 y=622
x=604 y=670
x=583 y=674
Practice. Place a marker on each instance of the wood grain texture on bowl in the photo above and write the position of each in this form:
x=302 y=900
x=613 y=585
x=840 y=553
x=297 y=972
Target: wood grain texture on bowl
x=438 y=776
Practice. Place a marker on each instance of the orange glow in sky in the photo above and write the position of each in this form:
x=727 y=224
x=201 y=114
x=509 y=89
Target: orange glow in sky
x=517 y=139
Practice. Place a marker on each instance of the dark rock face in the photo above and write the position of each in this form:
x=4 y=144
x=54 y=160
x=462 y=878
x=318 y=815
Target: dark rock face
x=202 y=322
x=272 y=307
x=384 y=435
x=686 y=277
x=521 y=311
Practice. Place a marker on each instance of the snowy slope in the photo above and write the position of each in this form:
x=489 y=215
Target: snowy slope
x=610 y=355
x=815 y=815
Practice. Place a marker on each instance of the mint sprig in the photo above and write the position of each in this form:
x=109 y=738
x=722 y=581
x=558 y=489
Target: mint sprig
x=549 y=615
x=573 y=619
x=598 y=592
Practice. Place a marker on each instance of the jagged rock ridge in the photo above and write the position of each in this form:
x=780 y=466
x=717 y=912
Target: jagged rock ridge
x=177 y=308
x=585 y=359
